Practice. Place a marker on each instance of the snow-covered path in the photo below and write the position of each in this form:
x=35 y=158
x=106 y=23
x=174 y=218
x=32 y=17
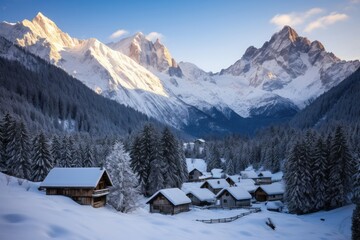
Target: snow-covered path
x=33 y=215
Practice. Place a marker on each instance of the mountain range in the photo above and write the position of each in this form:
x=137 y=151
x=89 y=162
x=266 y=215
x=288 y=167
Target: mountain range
x=267 y=84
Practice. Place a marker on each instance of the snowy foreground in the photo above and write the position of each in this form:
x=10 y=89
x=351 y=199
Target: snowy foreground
x=26 y=213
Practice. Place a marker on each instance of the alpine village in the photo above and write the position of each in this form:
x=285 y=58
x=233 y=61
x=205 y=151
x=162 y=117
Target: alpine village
x=111 y=137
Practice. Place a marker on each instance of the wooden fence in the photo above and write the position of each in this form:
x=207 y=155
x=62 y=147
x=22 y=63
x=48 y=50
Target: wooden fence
x=230 y=219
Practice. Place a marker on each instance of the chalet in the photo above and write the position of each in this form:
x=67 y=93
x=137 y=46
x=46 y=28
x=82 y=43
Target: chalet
x=217 y=173
x=232 y=197
x=169 y=201
x=86 y=186
x=264 y=177
x=270 y=192
x=201 y=196
x=248 y=174
x=195 y=175
x=215 y=185
x=233 y=180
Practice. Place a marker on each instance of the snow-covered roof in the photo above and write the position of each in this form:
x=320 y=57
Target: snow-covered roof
x=200 y=140
x=216 y=183
x=197 y=163
x=274 y=188
x=249 y=174
x=203 y=194
x=174 y=195
x=265 y=174
x=248 y=184
x=234 y=178
x=74 y=177
x=238 y=193
x=216 y=172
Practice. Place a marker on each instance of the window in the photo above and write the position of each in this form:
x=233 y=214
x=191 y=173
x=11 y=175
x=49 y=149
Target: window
x=227 y=194
x=225 y=201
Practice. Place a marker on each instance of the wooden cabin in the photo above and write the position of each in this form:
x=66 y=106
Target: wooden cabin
x=270 y=192
x=169 y=201
x=201 y=197
x=264 y=177
x=194 y=175
x=233 y=197
x=86 y=186
x=215 y=185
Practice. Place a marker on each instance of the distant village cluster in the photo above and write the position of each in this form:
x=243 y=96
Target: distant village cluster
x=214 y=189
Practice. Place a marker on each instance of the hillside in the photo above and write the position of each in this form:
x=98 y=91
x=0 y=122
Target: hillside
x=45 y=217
x=46 y=97
x=336 y=105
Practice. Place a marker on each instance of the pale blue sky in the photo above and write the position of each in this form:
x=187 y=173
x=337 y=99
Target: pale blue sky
x=213 y=34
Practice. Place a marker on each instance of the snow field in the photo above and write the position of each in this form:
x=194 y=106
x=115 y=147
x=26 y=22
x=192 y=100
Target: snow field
x=33 y=215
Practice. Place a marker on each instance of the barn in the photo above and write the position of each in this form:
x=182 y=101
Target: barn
x=86 y=186
x=169 y=201
x=232 y=197
x=201 y=196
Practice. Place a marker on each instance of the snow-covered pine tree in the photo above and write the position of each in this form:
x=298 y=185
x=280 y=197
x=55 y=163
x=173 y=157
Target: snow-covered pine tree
x=124 y=193
x=74 y=156
x=56 y=150
x=41 y=159
x=169 y=156
x=8 y=135
x=328 y=192
x=88 y=160
x=20 y=153
x=183 y=171
x=156 y=179
x=341 y=170
x=356 y=188
x=321 y=173
x=65 y=160
x=356 y=223
x=144 y=150
x=213 y=160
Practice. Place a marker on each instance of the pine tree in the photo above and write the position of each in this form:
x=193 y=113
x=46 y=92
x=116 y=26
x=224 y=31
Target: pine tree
x=143 y=152
x=356 y=223
x=20 y=157
x=320 y=171
x=41 y=159
x=341 y=170
x=88 y=160
x=124 y=193
x=356 y=189
x=65 y=160
x=156 y=178
x=8 y=135
x=56 y=150
x=170 y=158
x=214 y=158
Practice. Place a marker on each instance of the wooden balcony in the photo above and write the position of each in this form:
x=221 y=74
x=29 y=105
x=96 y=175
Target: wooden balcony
x=101 y=192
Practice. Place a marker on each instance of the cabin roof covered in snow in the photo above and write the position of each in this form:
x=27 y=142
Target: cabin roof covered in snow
x=274 y=188
x=265 y=174
x=174 y=195
x=216 y=172
x=203 y=194
x=238 y=193
x=75 y=177
x=197 y=163
x=234 y=178
x=200 y=140
x=248 y=184
x=249 y=174
x=216 y=183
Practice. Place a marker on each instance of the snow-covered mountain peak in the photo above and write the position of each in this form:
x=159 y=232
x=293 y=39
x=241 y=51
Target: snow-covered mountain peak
x=154 y=56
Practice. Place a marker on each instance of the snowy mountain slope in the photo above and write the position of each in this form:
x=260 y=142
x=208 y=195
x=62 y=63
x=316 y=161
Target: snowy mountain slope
x=104 y=70
x=26 y=213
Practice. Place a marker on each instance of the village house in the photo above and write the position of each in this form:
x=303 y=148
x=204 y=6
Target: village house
x=169 y=201
x=215 y=185
x=217 y=173
x=232 y=197
x=201 y=196
x=264 y=177
x=195 y=175
x=249 y=185
x=270 y=192
x=86 y=186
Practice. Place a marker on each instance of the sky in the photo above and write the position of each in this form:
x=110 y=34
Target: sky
x=213 y=34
